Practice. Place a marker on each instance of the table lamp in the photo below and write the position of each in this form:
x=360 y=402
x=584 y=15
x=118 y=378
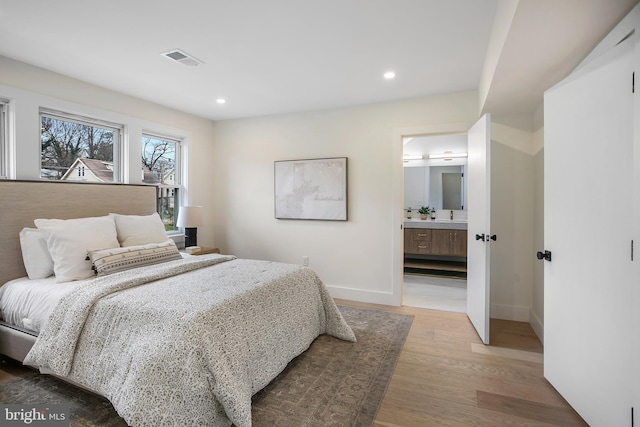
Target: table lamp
x=190 y=217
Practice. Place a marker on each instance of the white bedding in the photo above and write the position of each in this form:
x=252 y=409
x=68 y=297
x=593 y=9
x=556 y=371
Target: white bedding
x=28 y=303
x=187 y=342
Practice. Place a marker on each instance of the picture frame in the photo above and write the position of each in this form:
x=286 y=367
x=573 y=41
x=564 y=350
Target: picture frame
x=311 y=189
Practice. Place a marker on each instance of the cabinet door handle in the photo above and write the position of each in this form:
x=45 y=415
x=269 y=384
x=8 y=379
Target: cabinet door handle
x=422 y=247
x=422 y=235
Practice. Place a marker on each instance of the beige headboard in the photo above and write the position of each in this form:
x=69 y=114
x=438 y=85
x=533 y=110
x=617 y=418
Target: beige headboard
x=23 y=201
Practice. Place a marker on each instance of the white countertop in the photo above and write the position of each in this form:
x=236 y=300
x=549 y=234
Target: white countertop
x=455 y=224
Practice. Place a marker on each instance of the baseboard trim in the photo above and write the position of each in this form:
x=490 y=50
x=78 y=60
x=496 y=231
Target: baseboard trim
x=510 y=312
x=498 y=311
x=360 y=295
x=537 y=325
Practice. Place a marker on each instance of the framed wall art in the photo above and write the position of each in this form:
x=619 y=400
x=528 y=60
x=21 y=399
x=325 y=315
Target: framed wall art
x=311 y=189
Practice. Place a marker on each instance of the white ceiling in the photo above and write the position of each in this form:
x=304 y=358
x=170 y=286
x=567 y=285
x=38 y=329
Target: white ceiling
x=277 y=56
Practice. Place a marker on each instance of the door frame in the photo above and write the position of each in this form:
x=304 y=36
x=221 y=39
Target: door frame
x=397 y=205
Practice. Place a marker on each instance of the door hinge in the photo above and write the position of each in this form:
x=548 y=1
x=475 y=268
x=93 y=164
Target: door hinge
x=546 y=255
x=632 y=250
x=633 y=82
x=632 y=416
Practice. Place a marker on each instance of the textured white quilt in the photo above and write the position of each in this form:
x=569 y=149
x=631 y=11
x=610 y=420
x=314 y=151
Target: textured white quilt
x=187 y=342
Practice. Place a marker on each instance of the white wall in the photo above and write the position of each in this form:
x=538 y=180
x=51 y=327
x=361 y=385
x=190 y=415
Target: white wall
x=29 y=88
x=231 y=174
x=512 y=203
x=415 y=188
x=536 y=318
x=354 y=258
x=511 y=221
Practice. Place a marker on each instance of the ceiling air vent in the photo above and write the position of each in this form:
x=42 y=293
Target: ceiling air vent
x=182 y=57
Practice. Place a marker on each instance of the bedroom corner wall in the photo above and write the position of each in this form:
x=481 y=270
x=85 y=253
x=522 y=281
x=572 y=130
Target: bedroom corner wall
x=353 y=258
x=537 y=303
x=29 y=88
x=512 y=217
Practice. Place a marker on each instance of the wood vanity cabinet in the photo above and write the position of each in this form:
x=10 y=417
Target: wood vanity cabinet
x=458 y=242
x=433 y=241
x=417 y=241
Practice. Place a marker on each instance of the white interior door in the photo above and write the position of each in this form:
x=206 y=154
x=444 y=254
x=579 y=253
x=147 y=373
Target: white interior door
x=588 y=194
x=479 y=221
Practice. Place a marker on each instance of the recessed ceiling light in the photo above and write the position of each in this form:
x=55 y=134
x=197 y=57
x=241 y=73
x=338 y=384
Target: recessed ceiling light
x=389 y=75
x=221 y=101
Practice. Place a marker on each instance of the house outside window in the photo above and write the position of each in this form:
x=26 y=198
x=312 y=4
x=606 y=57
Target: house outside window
x=161 y=167
x=76 y=148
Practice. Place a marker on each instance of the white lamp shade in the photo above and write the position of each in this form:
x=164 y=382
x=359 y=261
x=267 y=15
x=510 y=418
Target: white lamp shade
x=190 y=216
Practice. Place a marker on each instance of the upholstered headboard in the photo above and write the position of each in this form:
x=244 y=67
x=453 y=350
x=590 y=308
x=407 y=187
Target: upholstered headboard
x=23 y=201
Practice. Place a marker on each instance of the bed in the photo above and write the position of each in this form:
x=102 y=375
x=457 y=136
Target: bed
x=186 y=340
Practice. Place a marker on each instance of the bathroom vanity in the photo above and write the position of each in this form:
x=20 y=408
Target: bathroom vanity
x=435 y=244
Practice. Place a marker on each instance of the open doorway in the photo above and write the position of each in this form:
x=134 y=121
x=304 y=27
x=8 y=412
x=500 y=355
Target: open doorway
x=434 y=253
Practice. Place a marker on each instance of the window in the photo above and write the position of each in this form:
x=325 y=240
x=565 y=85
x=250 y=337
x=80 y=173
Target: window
x=4 y=139
x=161 y=166
x=76 y=148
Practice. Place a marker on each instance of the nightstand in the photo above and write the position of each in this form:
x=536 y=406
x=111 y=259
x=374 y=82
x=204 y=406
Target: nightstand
x=205 y=250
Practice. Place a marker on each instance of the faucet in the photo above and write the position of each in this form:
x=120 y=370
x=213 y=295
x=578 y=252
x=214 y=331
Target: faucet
x=451 y=215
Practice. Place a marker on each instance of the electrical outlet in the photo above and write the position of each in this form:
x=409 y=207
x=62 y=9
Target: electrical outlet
x=305 y=261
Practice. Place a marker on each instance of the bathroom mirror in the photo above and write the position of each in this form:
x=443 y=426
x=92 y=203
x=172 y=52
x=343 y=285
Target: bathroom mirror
x=442 y=187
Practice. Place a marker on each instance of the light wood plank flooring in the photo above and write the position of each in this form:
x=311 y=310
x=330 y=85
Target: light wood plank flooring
x=445 y=376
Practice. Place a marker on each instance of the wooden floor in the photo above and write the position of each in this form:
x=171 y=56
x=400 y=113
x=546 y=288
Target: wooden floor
x=445 y=376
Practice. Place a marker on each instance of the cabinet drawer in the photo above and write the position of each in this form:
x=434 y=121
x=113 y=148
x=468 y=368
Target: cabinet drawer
x=417 y=241
x=417 y=234
x=417 y=247
x=422 y=235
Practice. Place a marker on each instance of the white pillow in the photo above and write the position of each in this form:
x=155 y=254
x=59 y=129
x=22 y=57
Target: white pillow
x=70 y=240
x=35 y=254
x=136 y=230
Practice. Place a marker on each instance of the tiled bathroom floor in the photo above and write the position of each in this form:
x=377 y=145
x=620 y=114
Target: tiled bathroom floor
x=437 y=293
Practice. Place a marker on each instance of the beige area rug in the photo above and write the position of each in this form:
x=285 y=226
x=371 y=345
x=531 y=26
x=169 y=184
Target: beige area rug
x=333 y=383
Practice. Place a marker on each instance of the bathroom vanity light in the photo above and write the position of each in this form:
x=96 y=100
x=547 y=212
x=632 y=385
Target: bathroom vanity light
x=409 y=157
x=447 y=155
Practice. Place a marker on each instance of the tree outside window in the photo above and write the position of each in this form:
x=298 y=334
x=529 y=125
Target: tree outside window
x=160 y=163
x=67 y=145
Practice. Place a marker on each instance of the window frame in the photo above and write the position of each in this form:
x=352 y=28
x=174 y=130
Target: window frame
x=4 y=138
x=178 y=186
x=118 y=130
